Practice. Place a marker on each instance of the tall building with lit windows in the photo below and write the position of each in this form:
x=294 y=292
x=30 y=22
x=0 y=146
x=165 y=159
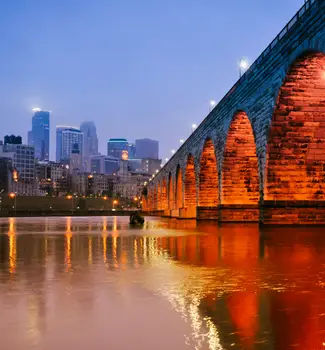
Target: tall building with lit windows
x=68 y=138
x=22 y=166
x=39 y=136
x=90 y=142
x=115 y=147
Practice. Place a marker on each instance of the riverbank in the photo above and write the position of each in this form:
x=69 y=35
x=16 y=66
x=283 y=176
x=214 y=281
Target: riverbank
x=77 y=213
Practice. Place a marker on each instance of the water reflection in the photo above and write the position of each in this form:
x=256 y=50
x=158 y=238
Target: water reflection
x=231 y=286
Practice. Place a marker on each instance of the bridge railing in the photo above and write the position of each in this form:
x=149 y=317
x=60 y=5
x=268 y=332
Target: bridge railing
x=295 y=19
x=284 y=31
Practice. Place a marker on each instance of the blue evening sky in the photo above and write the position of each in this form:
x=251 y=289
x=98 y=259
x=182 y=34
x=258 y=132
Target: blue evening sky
x=138 y=68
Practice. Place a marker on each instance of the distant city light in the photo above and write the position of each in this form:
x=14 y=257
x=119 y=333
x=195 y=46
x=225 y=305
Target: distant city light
x=212 y=103
x=173 y=151
x=166 y=160
x=181 y=141
x=36 y=109
x=194 y=126
x=157 y=171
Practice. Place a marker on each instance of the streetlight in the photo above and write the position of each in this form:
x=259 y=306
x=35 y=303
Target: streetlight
x=181 y=141
x=115 y=202
x=12 y=195
x=172 y=151
x=166 y=160
x=212 y=104
x=194 y=126
x=243 y=66
x=70 y=197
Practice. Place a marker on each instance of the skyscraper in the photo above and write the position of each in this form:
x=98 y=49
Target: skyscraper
x=146 y=149
x=115 y=147
x=39 y=137
x=90 y=142
x=67 y=137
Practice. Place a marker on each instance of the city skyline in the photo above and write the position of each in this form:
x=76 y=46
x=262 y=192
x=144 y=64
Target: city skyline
x=40 y=128
x=123 y=85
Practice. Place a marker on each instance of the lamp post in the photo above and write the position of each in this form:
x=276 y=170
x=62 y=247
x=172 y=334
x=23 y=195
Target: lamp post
x=243 y=66
x=13 y=196
x=212 y=104
x=70 y=197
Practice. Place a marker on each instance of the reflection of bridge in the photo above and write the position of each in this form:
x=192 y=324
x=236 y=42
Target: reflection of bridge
x=260 y=154
x=234 y=284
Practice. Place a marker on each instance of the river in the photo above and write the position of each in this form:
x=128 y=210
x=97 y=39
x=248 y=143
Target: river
x=95 y=283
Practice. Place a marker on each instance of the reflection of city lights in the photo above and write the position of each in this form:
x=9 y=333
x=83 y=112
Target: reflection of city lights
x=114 y=251
x=12 y=246
x=104 y=248
x=68 y=237
x=90 y=250
x=104 y=224
x=115 y=224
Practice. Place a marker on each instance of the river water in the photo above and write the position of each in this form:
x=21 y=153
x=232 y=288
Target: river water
x=95 y=283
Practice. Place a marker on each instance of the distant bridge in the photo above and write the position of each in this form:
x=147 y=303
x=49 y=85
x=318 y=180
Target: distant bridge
x=260 y=154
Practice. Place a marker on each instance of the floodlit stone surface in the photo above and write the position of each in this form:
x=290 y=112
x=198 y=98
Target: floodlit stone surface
x=260 y=153
x=240 y=183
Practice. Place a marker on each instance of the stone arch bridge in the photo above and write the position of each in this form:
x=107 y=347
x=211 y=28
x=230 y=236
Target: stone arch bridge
x=260 y=153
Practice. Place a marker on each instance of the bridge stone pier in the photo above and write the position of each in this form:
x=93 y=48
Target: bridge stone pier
x=259 y=155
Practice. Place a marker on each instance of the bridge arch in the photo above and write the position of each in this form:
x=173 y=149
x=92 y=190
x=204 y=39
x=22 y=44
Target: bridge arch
x=164 y=197
x=240 y=176
x=190 y=199
x=208 y=176
x=155 y=196
x=158 y=196
x=171 y=199
x=295 y=161
x=179 y=188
